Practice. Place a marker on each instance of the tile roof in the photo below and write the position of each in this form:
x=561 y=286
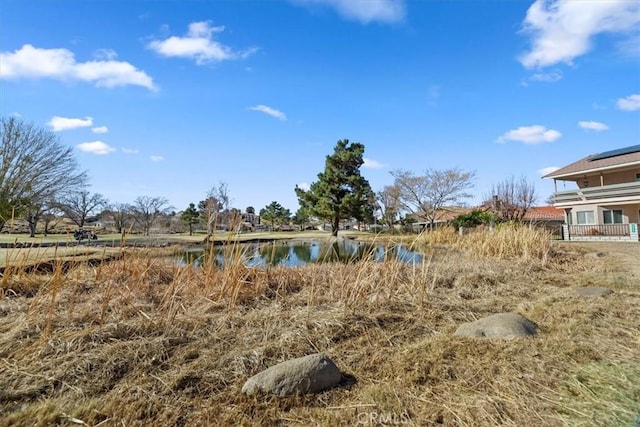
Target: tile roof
x=593 y=162
x=452 y=213
x=538 y=213
x=445 y=214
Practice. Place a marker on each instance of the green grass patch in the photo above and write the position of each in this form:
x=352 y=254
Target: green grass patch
x=602 y=394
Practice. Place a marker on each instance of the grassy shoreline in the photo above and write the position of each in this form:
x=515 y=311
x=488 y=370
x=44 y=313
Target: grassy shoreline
x=24 y=251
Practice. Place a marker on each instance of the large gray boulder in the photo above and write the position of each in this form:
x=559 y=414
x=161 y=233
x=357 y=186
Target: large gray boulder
x=308 y=374
x=503 y=325
x=593 y=291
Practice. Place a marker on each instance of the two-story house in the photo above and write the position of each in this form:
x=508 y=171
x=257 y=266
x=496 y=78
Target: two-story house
x=606 y=202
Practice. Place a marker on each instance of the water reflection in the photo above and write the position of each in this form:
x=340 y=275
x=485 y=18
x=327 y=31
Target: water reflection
x=296 y=253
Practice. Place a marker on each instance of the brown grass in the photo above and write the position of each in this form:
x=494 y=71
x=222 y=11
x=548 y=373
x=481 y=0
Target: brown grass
x=440 y=236
x=143 y=341
x=507 y=241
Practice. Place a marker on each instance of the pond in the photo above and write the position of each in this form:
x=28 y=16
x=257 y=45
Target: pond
x=299 y=253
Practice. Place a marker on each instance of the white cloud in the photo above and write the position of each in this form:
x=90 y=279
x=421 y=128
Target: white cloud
x=58 y=123
x=591 y=125
x=156 y=158
x=305 y=186
x=199 y=45
x=630 y=103
x=96 y=147
x=563 y=30
x=371 y=164
x=365 y=11
x=270 y=111
x=105 y=54
x=547 y=170
x=130 y=150
x=530 y=135
x=100 y=129
x=548 y=77
x=60 y=64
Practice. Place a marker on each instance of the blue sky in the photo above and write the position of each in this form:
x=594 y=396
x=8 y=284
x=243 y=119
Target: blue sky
x=168 y=98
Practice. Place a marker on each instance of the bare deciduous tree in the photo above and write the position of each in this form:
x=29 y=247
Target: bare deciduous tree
x=217 y=202
x=79 y=205
x=45 y=211
x=147 y=209
x=50 y=218
x=426 y=195
x=389 y=204
x=34 y=167
x=33 y=214
x=511 y=198
x=121 y=214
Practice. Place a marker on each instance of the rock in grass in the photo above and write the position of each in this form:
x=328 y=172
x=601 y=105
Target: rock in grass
x=594 y=291
x=503 y=325
x=594 y=255
x=308 y=374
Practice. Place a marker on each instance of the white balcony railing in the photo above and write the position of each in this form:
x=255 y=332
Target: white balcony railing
x=600 y=230
x=595 y=194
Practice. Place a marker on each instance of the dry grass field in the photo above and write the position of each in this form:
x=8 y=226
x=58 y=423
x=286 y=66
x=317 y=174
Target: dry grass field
x=142 y=341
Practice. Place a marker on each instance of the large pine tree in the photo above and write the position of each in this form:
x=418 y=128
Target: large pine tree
x=341 y=192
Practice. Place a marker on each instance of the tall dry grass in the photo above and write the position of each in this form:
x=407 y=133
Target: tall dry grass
x=439 y=236
x=145 y=341
x=507 y=241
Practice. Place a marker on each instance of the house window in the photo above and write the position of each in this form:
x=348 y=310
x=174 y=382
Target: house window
x=612 y=216
x=638 y=177
x=585 y=217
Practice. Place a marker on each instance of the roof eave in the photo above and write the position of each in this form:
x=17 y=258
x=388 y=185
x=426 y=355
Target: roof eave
x=582 y=172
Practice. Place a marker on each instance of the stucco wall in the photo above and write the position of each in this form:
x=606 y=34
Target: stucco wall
x=630 y=213
x=609 y=178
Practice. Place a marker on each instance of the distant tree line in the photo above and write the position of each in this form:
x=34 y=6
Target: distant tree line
x=41 y=182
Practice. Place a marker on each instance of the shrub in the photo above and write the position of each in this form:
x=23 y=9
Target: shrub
x=474 y=218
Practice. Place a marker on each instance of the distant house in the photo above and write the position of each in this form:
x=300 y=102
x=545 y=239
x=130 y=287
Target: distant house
x=544 y=215
x=606 y=203
x=442 y=217
x=548 y=217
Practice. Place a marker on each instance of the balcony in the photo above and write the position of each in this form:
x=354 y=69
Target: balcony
x=629 y=191
x=599 y=230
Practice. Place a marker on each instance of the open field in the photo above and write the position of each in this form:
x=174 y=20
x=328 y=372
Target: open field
x=140 y=341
